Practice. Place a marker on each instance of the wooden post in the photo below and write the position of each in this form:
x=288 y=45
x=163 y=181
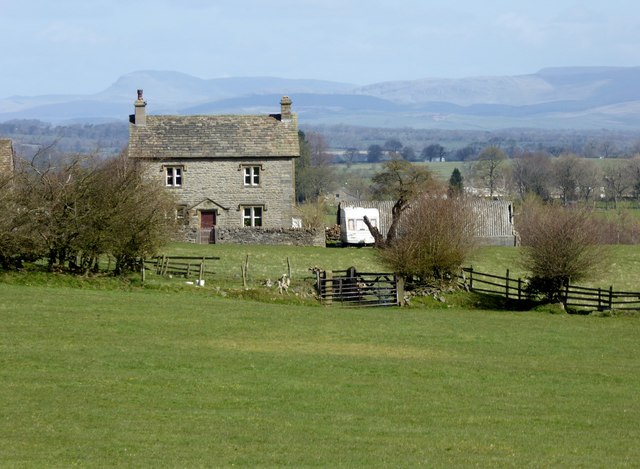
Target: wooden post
x=471 y=278
x=599 y=299
x=519 y=288
x=566 y=295
x=329 y=287
x=245 y=268
x=288 y=268
x=399 y=289
x=611 y=297
x=201 y=273
x=318 y=285
x=142 y=272
x=506 y=285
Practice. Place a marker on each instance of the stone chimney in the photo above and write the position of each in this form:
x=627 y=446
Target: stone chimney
x=6 y=158
x=285 y=108
x=140 y=116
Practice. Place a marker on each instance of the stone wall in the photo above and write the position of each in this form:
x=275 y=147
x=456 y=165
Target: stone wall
x=274 y=236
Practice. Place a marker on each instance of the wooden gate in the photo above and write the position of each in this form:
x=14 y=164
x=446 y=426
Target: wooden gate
x=352 y=288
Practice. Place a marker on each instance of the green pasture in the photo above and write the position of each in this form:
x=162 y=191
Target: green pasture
x=621 y=268
x=106 y=372
x=442 y=170
x=105 y=378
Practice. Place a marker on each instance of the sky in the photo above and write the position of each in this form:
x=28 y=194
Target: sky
x=83 y=46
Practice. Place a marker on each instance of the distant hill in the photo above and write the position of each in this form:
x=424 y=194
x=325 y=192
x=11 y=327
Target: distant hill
x=572 y=97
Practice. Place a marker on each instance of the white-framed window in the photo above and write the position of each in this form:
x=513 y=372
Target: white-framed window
x=251 y=175
x=173 y=176
x=252 y=216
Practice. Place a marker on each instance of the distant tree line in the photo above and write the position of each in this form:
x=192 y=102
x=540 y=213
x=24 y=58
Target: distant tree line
x=466 y=145
x=105 y=139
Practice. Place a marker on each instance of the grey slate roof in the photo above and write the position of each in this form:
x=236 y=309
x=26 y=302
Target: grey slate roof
x=215 y=136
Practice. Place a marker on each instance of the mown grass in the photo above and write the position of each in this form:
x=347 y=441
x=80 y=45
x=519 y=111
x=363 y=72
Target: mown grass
x=98 y=378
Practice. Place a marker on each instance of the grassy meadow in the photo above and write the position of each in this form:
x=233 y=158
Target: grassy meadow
x=100 y=373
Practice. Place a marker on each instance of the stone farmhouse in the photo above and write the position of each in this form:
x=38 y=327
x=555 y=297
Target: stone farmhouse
x=228 y=172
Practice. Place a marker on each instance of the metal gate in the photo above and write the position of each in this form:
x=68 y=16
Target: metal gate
x=352 y=288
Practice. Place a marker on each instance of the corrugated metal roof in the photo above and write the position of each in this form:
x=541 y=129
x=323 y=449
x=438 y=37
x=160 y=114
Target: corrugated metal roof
x=494 y=217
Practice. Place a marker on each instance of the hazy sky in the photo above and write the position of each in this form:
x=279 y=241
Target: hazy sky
x=82 y=46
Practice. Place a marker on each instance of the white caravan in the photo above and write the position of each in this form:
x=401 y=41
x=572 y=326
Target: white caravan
x=352 y=226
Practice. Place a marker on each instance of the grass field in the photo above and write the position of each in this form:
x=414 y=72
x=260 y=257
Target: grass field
x=102 y=372
x=366 y=170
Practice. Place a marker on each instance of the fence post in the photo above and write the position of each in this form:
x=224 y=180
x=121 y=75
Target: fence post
x=519 y=288
x=471 y=278
x=599 y=299
x=506 y=285
x=566 y=295
x=399 y=280
x=611 y=297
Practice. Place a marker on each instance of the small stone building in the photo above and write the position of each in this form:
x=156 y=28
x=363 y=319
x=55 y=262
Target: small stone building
x=226 y=171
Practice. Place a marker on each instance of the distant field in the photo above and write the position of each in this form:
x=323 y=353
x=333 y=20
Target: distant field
x=97 y=378
x=441 y=170
x=367 y=170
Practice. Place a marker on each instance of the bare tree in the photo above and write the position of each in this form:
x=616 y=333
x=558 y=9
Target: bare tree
x=489 y=166
x=617 y=181
x=402 y=182
x=314 y=172
x=634 y=174
x=531 y=173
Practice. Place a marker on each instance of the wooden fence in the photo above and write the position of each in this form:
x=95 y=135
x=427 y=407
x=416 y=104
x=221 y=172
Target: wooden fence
x=572 y=296
x=352 y=288
x=188 y=266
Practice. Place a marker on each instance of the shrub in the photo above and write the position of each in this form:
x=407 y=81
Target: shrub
x=434 y=240
x=559 y=246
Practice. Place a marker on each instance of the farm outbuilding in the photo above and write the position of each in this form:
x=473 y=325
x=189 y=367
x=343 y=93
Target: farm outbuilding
x=494 y=219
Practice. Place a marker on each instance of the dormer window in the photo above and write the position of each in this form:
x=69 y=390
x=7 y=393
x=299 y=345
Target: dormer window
x=251 y=175
x=173 y=176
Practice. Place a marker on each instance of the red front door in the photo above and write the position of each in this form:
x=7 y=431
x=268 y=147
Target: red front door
x=207 y=226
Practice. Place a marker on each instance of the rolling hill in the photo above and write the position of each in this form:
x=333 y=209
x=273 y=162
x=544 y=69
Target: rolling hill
x=557 y=98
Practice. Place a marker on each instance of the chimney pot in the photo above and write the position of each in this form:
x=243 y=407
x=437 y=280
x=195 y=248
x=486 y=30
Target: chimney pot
x=140 y=116
x=285 y=108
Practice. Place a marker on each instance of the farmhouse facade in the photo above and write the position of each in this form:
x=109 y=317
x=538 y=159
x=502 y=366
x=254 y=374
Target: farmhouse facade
x=226 y=171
